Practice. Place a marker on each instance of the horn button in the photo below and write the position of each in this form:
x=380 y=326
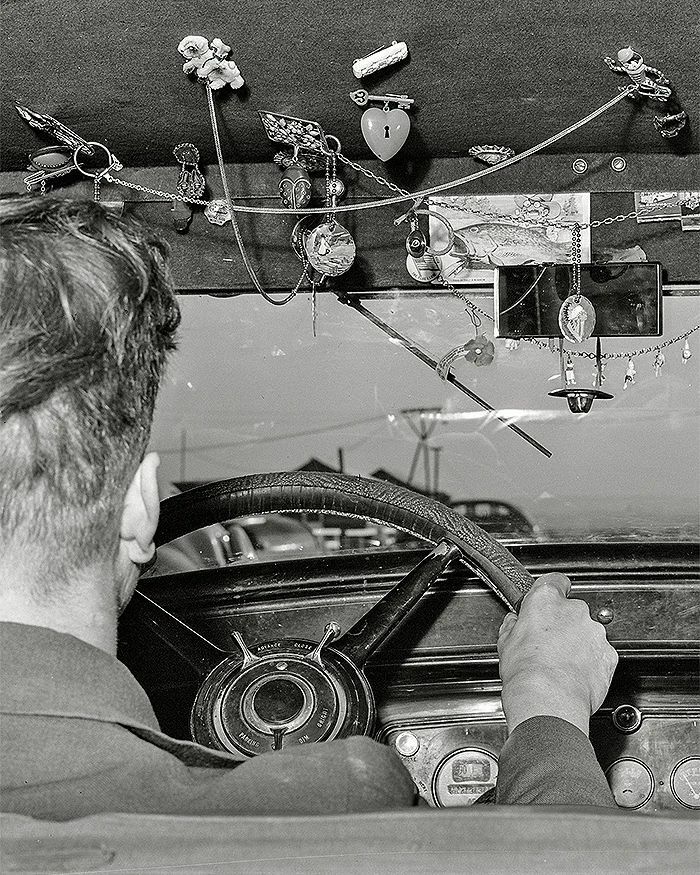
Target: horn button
x=279 y=697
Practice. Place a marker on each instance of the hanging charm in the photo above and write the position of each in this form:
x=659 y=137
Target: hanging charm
x=330 y=247
x=686 y=354
x=580 y=400
x=512 y=344
x=191 y=183
x=576 y=314
x=630 y=373
x=385 y=130
x=569 y=373
x=295 y=184
x=659 y=362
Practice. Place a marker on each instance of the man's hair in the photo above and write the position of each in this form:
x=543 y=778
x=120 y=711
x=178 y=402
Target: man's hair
x=87 y=317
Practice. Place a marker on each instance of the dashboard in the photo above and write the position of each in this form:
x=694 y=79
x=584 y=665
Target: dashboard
x=436 y=682
x=650 y=752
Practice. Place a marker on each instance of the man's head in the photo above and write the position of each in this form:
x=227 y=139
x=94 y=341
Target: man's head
x=87 y=317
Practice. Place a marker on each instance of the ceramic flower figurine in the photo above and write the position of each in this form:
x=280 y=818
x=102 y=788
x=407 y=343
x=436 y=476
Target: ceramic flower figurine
x=209 y=61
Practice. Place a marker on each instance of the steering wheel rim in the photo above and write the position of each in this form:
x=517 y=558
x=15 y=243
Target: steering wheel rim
x=343 y=494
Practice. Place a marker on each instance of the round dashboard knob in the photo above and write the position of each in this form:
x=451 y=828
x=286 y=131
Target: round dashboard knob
x=627 y=718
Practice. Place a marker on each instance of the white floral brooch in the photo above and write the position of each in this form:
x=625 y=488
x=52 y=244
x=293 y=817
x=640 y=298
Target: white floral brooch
x=208 y=61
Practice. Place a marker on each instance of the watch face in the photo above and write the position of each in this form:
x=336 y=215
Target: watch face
x=330 y=249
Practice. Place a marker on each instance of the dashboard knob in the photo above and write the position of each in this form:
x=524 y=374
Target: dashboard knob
x=627 y=718
x=406 y=744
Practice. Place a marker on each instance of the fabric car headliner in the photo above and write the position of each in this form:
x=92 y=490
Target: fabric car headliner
x=510 y=73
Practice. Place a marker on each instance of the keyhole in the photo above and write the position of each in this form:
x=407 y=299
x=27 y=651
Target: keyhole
x=386 y=132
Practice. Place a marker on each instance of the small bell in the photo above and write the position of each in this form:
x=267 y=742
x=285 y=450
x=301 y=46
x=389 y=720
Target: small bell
x=630 y=374
x=686 y=354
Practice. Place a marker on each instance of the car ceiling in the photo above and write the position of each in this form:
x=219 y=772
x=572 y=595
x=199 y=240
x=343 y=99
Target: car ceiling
x=510 y=73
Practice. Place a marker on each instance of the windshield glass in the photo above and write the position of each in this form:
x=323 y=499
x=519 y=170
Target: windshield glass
x=251 y=389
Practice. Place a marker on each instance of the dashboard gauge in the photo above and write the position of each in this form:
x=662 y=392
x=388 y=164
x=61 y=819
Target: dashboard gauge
x=685 y=782
x=463 y=776
x=631 y=782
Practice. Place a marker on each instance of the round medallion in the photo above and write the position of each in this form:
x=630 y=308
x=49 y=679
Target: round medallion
x=577 y=318
x=330 y=249
x=217 y=212
x=425 y=269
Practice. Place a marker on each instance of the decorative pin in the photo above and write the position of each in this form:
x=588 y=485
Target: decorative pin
x=379 y=59
x=385 y=130
x=659 y=362
x=650 y=82
x=209 y=62
x=191 y=183
x=49 y=163
x=491 y=154
x=630 y=373
x=671 y=124
x=686 y=354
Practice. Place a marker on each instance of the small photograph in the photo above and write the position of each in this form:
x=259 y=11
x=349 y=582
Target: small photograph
x=690 y=210
x=491 y=231
x=657 y=206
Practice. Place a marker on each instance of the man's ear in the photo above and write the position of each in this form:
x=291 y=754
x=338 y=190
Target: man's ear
x=140 y=512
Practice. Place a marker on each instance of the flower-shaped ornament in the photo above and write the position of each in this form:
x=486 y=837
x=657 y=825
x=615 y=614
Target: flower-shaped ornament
x=209 y=62
x=480 y=351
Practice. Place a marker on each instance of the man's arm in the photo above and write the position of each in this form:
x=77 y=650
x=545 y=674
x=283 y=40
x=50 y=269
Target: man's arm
x=556 y=666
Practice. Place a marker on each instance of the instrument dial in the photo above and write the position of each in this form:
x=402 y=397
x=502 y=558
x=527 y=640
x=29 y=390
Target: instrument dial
x=631 y=782
x=685 y=782
x=463 y=776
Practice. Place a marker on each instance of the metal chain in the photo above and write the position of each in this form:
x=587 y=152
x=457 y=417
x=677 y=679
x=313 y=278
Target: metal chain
x=540 y=344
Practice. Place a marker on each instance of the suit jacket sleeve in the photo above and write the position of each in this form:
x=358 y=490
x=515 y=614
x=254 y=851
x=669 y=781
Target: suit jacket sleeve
x=548 y=761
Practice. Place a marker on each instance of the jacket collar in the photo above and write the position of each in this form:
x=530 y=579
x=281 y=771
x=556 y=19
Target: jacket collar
x=52 y=673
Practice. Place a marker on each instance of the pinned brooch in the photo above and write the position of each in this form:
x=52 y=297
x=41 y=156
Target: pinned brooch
x=209 y=62
x=491 y=154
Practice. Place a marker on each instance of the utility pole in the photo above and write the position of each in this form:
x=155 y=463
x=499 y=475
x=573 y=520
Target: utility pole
x=183 y=455
x=341 y=460
x=422 y=422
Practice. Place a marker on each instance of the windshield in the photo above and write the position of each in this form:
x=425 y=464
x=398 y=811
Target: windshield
x=251 y=389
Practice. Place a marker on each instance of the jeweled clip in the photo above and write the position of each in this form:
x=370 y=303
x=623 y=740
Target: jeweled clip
x=49 y=163
x=57 y=129
x=379 y=59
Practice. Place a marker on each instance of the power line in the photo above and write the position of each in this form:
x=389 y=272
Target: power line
x=273 y=438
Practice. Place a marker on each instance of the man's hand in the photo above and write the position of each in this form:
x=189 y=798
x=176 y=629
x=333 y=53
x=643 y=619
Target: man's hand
x=554 y=659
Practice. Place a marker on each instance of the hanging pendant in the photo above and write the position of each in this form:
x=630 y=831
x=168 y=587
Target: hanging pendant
x=330 y=248
x=191 y=183
x=577 y=318
x=659 y=362
x=686 y=354
x=569 y=373
x=217 y=212
x=425 y=269
x=295 y=187
x=385 y=130
x=630 y=374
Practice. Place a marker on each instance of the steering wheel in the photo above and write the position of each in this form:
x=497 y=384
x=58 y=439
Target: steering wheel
x=295 y=691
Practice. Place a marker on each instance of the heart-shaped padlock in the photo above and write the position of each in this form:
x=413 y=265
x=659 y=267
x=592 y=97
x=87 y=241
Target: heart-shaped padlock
x=385 y=131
